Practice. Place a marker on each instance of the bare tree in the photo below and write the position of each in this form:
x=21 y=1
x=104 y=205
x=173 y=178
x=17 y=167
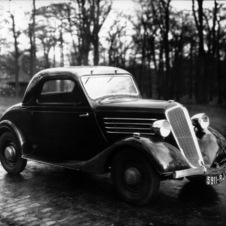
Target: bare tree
x=16 y=34
x=99 y=12
x=201 y=81
x=52 y=23
x=48 y=40
x=32 y=38
x=88 y=18
x=116 y=39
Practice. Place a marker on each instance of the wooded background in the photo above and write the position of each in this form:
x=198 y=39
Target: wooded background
x=173 y=54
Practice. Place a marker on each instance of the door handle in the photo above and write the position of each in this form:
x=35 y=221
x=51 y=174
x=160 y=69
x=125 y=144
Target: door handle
x=84 y=115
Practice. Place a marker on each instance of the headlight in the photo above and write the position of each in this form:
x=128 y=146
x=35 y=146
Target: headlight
x=202 y=119
x=161 y=127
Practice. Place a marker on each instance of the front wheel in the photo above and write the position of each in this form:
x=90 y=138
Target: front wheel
x=10 y=154
x=134 y=178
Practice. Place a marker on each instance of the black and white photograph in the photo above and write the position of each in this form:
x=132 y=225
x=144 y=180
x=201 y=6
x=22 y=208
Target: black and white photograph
x=112 y=112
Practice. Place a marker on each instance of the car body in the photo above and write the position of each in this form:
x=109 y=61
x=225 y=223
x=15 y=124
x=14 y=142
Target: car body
x=94 y=119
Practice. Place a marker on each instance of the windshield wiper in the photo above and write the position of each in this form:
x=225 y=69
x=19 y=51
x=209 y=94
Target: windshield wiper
x=87 y=80
x=110 y=79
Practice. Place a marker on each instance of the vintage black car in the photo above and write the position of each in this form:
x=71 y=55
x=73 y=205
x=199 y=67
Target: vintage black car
x=93 y=119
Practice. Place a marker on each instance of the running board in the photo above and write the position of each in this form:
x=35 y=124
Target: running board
x=75 y=165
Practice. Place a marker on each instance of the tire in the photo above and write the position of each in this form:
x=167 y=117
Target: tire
x=134 y=178
x=10 y=154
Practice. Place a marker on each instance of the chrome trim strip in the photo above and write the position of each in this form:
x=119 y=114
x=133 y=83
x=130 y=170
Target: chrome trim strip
x=126 y=123
x=137 y=119
x=189 y=172
x=125 y=128
x=201 y=162
x=135 y=122
x=130 y=133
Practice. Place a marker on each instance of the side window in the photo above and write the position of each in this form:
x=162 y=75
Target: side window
x=60 y=91
x=56 y=86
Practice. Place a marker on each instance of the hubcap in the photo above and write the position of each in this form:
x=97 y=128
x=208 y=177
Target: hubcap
x=132 y=176
x=10 y=153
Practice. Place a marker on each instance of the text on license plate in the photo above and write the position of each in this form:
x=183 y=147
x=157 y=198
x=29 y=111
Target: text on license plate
x=215 y=179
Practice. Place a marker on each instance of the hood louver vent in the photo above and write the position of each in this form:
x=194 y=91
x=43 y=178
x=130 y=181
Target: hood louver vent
x=129 y=125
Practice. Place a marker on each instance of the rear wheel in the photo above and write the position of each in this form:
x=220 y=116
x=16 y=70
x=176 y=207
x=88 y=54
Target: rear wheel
x=10 y=154
x=134 y=178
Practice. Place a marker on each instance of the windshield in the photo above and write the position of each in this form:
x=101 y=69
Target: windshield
x=108 y=85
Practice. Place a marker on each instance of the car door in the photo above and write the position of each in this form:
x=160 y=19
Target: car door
x=64 y=123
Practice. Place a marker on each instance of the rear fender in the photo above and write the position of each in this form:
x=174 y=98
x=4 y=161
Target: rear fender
x=164 y=157
x=7 y=125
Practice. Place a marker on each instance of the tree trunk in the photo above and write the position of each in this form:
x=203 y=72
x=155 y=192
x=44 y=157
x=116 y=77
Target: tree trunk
x=219 y=87
x=32 y=42
x=191 y=72
x=96 y=49
x=200 y=88
x=34 y=37
x=166 y=45
x=61 y=47
x=17 y=67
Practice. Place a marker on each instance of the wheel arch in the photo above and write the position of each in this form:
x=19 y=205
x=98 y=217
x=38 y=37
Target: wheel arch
x=120 y=148
x=102 y=162
x=8 y=126
x=164 y=157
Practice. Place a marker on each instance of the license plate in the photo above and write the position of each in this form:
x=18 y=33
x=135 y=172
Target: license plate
x=215 y=179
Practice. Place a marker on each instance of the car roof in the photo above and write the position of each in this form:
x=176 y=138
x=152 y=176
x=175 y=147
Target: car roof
x=79 y=71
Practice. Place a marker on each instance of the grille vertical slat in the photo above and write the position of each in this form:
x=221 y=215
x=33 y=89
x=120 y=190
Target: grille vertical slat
x=184 y=135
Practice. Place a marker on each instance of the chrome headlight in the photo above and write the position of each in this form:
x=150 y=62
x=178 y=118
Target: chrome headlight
x=202 y=119
x=161 y=127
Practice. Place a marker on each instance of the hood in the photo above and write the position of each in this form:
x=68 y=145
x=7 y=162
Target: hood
x=122 y=116
x=128 y=103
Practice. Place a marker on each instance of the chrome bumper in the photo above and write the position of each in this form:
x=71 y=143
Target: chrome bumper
x=202 y=171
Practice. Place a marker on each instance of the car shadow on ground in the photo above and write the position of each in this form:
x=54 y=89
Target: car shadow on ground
x=200 y=193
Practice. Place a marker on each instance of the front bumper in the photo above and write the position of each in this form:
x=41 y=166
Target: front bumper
x=201 y=171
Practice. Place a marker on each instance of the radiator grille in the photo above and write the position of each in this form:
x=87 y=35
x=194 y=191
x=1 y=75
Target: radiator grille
x=184 y=134
x=128 y=125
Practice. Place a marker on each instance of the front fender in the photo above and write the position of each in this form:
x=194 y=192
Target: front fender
x=164 y=157
x=213 y=147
